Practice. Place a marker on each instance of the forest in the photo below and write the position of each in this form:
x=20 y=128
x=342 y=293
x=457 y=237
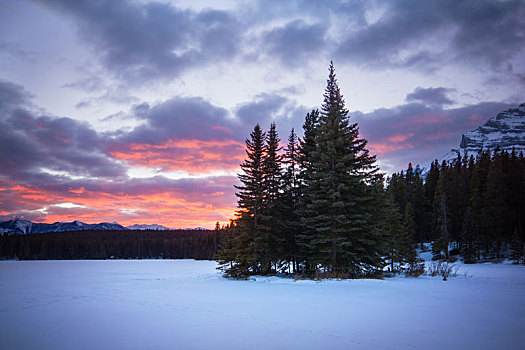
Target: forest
x=321 y=208
x=108 y=244
x=473 y=205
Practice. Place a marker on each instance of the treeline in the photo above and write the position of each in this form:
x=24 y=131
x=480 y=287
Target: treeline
x=319 y=209
x=106 y=244
x=475 y=205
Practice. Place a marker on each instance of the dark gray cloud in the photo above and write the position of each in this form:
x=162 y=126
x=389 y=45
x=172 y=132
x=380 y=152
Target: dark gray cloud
x=153 y=40
x=159 y=41
x=11 y=96
x=430 y=96
x=188 y=118
x=295 y=42
x=263 y=110
x=29 y=142
x=423 y=33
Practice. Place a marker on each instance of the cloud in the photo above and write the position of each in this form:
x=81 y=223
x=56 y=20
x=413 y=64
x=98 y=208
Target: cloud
x=29 y=142
x=294 y=42
x=90 y=84
x=159 y=41
x=11 y=96
x=177 y=118
x=263 y=109
x=190 y=134
x=155 y=40
x=431 y=96
x=426 y=34
x=190 y=155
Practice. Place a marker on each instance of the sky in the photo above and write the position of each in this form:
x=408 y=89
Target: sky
x=137 y=111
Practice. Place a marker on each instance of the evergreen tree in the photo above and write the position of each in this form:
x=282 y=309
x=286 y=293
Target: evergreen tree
x=289 y=204
x=469 y=238
x=250 y=243
x=392 y=231
x=498 y=212
x=406 y=241
x=477 y=201
x=340 y=204
x=304 y=238
x=272 y=238
x=441 y=213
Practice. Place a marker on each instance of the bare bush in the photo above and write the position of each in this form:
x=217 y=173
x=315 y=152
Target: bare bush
x=442 y=268
x=415 y=270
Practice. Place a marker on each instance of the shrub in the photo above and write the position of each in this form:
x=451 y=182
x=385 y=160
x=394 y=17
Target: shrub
x=442 y=268
x=415 y=270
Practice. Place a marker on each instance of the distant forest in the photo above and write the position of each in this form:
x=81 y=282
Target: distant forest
x=106 y=244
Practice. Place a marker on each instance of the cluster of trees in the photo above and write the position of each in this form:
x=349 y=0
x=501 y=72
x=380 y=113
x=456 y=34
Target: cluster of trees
x=475 y=205
x=319 y=208
x=106 y=244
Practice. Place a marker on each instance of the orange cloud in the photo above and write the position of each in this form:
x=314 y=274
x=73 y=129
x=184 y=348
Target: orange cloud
x=400 y=137
x=77 y=191
x=194 y=156
x=383 y=148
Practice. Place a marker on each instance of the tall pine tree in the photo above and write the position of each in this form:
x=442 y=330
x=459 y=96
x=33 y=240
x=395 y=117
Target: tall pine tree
x=340 y=205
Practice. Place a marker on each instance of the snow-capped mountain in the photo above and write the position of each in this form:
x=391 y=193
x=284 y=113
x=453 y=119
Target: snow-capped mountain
x=20 y=226
x=16 y=226
x=506 y=131
x=147 y=227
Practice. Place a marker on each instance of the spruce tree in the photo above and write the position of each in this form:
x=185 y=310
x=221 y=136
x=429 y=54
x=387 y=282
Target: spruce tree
x=304 y=238
x=270 y=218
x=340 y=205
x=289 y=203
x=442 y=213
x=250 y=241
x=392 y=231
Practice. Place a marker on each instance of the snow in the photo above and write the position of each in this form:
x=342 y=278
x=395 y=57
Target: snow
x=186 y=304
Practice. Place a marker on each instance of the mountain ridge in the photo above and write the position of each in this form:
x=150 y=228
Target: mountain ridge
x=21 y=226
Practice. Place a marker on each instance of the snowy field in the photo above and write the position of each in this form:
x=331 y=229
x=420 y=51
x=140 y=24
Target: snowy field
x=185 y=304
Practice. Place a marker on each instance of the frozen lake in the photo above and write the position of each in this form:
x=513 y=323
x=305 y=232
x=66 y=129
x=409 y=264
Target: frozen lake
x=185 y=304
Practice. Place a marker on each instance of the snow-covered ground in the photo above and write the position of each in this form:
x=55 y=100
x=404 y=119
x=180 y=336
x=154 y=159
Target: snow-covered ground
x=185 y=304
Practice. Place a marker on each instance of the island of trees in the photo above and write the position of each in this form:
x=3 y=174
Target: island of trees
x=319 y=209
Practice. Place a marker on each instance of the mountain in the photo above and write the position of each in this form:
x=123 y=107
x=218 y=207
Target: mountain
x=24 y=226
x=506 y=131
x=147 y=227
x=20 y=226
